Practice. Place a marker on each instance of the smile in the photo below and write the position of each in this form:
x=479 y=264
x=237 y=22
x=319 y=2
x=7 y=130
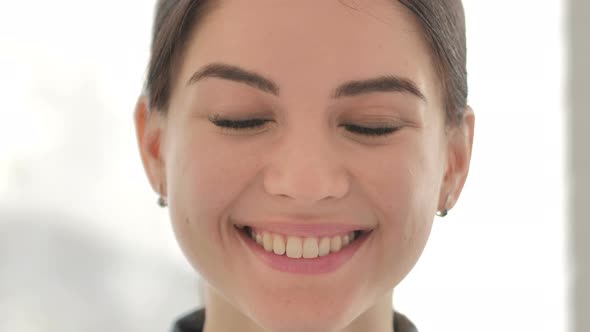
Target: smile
x=298 y=254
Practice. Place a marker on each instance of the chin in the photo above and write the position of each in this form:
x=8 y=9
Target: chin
x=300 y=314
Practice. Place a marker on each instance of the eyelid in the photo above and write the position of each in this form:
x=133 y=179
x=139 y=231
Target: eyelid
x=373 y=131
x=244 y=126
x=239 y=127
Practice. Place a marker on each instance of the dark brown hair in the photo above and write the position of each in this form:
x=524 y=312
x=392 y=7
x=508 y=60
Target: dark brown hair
x=442 y=21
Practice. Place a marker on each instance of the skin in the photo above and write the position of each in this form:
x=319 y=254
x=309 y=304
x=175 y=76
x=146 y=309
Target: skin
x=304 y=165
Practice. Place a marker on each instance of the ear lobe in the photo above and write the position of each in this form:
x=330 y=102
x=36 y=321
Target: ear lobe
x=460 y=140
x=149 y=133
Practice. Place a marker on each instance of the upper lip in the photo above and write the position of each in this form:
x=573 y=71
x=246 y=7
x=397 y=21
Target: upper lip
x=313 y=228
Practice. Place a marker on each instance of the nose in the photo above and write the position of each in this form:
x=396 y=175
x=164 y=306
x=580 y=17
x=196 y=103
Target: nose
x=306 y=167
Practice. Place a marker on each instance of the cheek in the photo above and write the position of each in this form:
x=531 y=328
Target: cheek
x=204 y=179
x=405 y=193
x=405 y=181
x=206 y=175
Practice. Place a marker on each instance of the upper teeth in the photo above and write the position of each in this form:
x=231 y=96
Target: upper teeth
x=298 y=247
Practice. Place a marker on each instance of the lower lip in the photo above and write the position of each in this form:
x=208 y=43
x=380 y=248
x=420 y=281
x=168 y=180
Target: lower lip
x=323 y=264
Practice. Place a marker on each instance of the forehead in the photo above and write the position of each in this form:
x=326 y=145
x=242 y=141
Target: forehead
x=309 y=46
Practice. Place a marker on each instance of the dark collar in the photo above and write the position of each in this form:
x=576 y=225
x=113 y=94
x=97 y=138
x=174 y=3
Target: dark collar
x=194 y=322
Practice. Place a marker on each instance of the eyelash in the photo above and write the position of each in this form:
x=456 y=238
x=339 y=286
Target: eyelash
x=250 y=124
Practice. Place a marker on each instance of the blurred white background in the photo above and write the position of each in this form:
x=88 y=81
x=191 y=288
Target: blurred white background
x=84 y=247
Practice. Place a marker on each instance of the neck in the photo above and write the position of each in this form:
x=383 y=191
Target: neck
x=223 y=316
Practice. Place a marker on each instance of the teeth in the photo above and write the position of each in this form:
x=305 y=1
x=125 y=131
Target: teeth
x=335 y=244
x=345 y=240
x=294 y=247
x=298 y=247
x=324 y=247
x=267 y=241
x=278 y=245
x=310 y=247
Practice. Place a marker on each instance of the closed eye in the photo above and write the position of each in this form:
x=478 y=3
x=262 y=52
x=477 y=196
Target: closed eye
x=254 y=124
x=373 y=131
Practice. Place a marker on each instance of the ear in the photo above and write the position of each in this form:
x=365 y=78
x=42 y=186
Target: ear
x=460 y=142
x=150 y=130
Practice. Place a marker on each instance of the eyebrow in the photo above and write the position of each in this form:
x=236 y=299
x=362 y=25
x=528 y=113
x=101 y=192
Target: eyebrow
x=385 y=83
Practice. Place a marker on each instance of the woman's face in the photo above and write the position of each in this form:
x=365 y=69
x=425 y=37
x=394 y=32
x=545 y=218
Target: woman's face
x=306 y=165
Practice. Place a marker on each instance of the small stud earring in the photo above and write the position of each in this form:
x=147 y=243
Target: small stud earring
x=444 y=211
x=162 y=201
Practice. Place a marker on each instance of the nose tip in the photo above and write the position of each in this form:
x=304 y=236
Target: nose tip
x=307 y=186
x=306 y=166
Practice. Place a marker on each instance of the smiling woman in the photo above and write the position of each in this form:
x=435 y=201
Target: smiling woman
x=300 y=143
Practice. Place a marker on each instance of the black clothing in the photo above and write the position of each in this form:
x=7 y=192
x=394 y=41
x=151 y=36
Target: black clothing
x=194 y=322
